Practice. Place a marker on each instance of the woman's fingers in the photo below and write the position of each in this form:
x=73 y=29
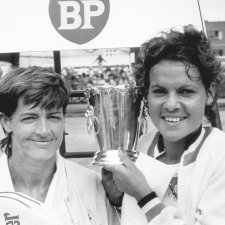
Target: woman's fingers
x=125 y=159
x=128 y=178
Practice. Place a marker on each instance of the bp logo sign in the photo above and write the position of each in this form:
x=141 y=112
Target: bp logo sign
x=79 y=21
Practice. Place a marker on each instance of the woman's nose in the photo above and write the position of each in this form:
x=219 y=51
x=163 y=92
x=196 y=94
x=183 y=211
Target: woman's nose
x=42 y=127
x=172 y=102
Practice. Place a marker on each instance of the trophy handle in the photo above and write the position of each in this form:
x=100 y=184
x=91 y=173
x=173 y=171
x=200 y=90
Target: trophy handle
x=140 y=125
x=91 y=121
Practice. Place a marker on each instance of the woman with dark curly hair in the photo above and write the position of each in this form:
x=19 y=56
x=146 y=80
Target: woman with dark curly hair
x=178 y=177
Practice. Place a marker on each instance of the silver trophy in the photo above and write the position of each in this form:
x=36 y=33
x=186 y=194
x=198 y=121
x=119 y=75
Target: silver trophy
x=113 y=116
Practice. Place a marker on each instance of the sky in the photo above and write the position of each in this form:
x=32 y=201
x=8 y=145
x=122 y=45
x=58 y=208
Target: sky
x=213 y=10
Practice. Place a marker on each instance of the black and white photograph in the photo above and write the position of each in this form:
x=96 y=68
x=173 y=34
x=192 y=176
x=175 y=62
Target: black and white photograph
x=112 y=112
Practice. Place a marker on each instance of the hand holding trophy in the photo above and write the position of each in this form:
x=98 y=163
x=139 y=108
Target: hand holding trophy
x=113 y=116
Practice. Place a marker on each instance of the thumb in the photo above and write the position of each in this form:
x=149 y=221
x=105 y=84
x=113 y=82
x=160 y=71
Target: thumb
x=109 y=167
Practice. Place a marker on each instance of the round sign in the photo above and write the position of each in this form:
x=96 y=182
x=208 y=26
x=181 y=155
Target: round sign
x=79 y=21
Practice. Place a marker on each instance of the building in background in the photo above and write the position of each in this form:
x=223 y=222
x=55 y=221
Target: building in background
x=216 y=33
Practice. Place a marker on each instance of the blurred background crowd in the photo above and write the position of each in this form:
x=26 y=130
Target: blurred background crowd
x=89 y=77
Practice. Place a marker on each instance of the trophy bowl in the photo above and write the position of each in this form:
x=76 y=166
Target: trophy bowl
x=113 y=117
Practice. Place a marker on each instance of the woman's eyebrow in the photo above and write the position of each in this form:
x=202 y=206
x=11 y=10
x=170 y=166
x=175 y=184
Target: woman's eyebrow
x=28 y=114
x=188 y=86
x=54 y=113
x=156 y=86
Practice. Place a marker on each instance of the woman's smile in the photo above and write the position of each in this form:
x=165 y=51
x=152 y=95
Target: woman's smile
x=173 y=119
x=42 y=142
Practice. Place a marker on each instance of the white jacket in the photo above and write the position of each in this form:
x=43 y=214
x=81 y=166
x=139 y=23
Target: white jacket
x=75 y=188
x=201 y=185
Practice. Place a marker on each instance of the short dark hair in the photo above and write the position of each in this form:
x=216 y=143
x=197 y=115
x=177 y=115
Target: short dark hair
x=37 y=86
x=190 y=47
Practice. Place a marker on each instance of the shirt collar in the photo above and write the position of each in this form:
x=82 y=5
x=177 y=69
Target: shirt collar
x=190 y=139
x=58 y=188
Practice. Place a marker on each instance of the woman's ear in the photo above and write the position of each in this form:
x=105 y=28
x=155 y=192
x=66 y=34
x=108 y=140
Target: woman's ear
x=6 y=123
x=211 y=93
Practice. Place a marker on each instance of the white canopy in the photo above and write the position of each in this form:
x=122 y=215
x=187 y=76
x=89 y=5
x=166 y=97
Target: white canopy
x=42 y=25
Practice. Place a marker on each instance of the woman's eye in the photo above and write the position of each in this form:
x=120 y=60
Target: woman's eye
x=159 y=91
x=186 y=91
x=28 y=119
x=54 y=118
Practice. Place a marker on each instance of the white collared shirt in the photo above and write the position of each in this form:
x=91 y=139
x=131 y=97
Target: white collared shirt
x=57 y=196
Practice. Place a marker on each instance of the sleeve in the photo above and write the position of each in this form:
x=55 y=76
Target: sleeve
x=113 y=215
x=157 y=213
x=210 y=207
x=88 y=187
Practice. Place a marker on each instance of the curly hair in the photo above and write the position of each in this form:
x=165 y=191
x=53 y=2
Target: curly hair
x=37 y=86
x=190 y=47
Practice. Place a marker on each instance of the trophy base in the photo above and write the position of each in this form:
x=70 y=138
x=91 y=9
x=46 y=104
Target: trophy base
x=102 y=158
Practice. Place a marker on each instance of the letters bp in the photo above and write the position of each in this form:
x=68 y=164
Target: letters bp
x=79 y=21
